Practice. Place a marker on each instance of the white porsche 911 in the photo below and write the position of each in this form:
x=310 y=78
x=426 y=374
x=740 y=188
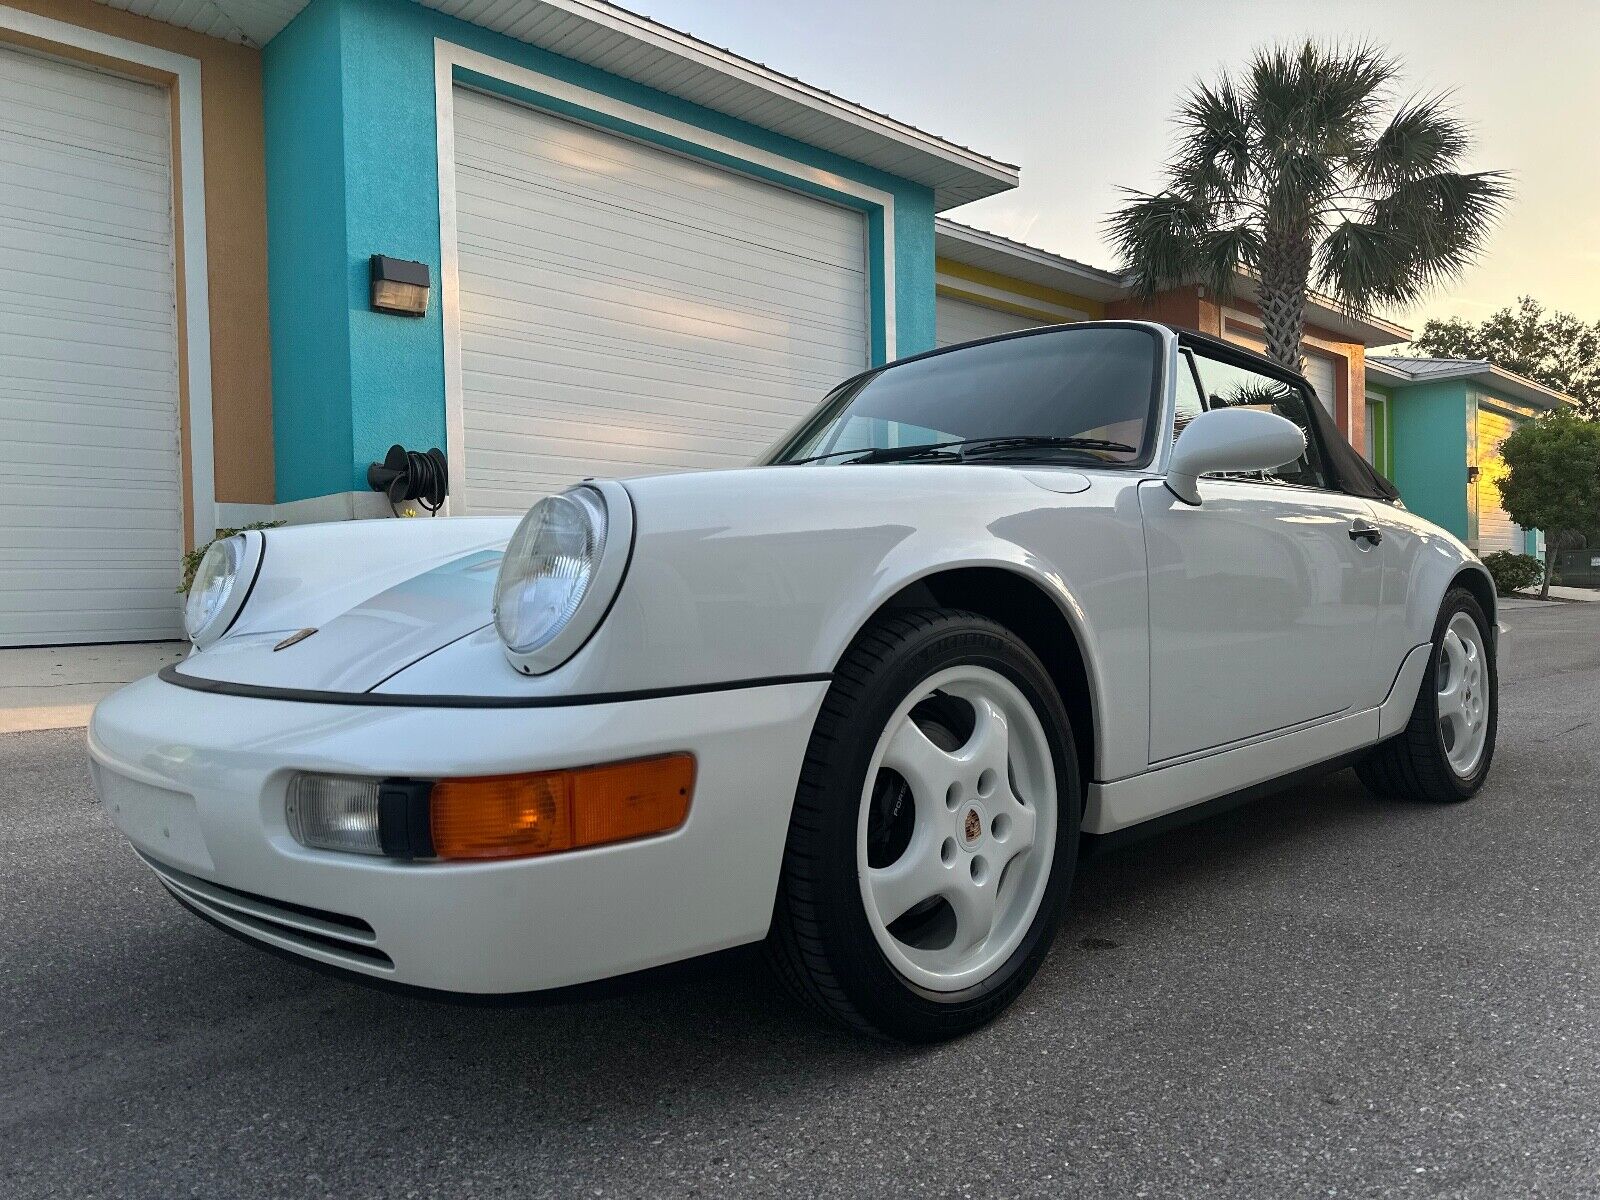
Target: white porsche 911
x=861 y=701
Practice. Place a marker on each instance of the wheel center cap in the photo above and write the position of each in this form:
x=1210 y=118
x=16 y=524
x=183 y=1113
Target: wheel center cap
x=972 y=827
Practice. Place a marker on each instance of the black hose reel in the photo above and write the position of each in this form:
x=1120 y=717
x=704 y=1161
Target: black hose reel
x=411 y=475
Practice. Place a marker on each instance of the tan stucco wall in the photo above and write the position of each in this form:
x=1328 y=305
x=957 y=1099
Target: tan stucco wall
x=236 y=234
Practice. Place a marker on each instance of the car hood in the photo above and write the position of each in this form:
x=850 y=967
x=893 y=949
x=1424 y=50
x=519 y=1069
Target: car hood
x=719 y=559
x=359 y=648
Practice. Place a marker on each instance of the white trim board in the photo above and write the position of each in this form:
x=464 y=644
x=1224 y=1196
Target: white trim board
x=190 y=154
x=313 y=510
x=448 y=56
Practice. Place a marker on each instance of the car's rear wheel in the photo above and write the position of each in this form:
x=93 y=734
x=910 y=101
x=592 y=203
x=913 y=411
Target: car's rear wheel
x=1444 y=753
x=934 y=833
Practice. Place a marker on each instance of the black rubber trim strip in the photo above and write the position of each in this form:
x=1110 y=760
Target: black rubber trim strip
x=261 y=564
x=222 y=687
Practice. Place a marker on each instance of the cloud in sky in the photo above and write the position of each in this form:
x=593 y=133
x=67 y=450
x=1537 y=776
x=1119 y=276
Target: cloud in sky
x=1081 y=95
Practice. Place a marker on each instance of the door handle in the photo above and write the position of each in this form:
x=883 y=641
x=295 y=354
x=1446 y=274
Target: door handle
x=1362 y=532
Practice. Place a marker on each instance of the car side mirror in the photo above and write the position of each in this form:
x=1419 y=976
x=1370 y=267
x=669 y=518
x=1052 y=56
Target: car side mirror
x=1230 y=439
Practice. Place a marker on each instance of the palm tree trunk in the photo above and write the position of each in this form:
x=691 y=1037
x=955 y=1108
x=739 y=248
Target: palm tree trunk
x=1285 y=267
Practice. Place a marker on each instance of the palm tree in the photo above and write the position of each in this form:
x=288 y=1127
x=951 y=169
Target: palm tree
x=1291 y=173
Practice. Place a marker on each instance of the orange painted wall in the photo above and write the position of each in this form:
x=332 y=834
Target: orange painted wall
x=236 y=234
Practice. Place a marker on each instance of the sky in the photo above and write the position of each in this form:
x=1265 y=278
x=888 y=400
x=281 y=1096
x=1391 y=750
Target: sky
x=1080 y=96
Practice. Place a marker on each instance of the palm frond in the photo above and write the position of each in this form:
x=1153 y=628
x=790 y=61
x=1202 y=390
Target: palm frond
x=1423 y=234
x=1316 y=96
x=1214 y=150
x=1158 y=238
x=1422 y=138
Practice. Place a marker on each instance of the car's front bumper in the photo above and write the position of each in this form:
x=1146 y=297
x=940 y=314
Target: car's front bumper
x=197 y=783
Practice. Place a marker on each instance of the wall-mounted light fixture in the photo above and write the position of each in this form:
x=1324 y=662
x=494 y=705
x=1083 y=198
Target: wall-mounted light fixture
x=399 y=286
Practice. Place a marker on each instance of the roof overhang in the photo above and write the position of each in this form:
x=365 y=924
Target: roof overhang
x=991 y=252
x=1394 y=371
x=646 y=52
x=1017 y=260
x=1326 y=313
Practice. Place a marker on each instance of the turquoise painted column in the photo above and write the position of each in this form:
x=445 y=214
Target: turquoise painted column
x=302 y=88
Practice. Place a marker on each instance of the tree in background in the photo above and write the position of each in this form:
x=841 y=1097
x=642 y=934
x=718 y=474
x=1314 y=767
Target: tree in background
x=1306 y=172
x=1552 y=481
x=1553 y=348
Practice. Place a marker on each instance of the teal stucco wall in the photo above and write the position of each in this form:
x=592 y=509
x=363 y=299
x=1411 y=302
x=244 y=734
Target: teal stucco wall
x=1428 y=430
x=352 y=172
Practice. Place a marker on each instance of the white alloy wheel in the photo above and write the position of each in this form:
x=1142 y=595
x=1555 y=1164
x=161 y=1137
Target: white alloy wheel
x=952 y=885
x=1463 y=683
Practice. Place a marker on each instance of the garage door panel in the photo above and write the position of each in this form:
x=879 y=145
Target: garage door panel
x=577 y=335
x=959 y=320
x=533 y=233
x=1496 y=530
x=703 y=341
x=91 y=524
x=791 y=250
x=109 y=260
x=695 y=199
x=599 y=173
x=703 y=326
x=609 y=277
x=39 y=165
x=627 y=310
x=723 y=437
x=86 y=208
x=757 y=404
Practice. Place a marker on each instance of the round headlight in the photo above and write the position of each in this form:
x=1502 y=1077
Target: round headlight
x=213 y=586
x=548 y=569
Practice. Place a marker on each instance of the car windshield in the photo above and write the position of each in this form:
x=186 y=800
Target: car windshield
x=1078 y=393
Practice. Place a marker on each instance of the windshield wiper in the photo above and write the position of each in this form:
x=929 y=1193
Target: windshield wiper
x=965 y=448
x=800 y=462
x=1000 y=444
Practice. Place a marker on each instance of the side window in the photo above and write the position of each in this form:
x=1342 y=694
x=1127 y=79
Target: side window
x=1228 y=386
x=1187 y=404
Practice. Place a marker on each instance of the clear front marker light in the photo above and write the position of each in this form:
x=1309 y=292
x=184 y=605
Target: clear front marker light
x=335 y=812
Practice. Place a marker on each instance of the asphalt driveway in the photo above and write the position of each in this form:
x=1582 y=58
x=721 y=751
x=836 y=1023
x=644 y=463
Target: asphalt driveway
x=1323 y=993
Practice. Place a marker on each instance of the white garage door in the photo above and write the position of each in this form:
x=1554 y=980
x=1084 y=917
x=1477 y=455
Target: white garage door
x=957 y=320
x=1496 y=530
x=90 y=505
x=626 y=310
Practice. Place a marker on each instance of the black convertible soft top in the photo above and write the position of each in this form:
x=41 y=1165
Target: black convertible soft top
x=1350 y=472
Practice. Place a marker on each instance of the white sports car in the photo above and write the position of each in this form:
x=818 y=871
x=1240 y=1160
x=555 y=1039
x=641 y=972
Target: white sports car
x=865 y=702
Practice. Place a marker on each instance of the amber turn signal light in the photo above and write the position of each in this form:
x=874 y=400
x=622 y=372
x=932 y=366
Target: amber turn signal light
x=515 y=816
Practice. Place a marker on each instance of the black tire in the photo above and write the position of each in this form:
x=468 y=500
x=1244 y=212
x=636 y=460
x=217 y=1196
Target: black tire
x=1413 y=765
x=821 y=943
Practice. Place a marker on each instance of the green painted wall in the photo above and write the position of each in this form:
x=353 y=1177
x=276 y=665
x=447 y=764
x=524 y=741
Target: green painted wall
x=1428 y=448
x=1380 y=428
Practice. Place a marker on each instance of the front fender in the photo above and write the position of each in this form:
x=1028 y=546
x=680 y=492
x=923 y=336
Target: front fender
x=745 y=576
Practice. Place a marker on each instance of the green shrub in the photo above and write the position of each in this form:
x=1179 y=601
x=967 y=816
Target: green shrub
x=1513 y=572
x=191 y=560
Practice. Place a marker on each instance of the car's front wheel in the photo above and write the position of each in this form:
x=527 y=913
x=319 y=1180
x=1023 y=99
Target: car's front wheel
x=934 y=833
